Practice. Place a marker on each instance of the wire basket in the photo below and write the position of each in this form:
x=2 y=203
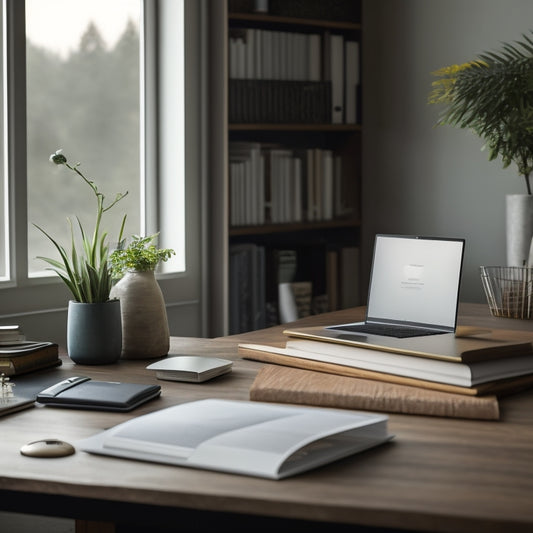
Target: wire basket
x=509 y=291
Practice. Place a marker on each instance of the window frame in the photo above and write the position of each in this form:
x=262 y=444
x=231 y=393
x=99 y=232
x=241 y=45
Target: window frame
x=30 y=299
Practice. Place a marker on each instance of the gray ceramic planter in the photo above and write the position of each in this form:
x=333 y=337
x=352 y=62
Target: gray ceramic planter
x=94 y=332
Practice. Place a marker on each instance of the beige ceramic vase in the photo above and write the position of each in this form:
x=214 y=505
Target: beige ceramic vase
x=145 y=333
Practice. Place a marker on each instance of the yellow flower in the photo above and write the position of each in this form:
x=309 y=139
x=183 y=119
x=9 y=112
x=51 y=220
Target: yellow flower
x=443 y=88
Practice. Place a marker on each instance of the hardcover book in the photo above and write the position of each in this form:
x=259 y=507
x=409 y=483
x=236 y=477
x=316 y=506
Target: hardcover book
x=28 y=356
x=323 y=363
x=281 y=384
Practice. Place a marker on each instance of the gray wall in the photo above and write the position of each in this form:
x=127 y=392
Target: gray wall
x=418 y=179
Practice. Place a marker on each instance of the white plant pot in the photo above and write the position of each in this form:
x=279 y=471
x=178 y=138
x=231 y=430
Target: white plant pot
x=519 y=228
x=145 y=332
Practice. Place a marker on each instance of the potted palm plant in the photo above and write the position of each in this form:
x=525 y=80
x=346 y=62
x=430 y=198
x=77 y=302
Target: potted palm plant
x=145 y=331
x=94 y=333
x=493 y=97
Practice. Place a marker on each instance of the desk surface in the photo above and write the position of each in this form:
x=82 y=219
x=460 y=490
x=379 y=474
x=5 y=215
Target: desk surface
x=437 y=475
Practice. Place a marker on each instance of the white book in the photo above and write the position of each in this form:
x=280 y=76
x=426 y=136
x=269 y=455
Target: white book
x=310 y=184
x=278 y=173
x=248 y=187
x=11 y=334
x=284 y=44
x=266 y=55
x=297 y=192
x=351 y=80
x=451 y=373
x=340 y=199
x=314 y=58
x=276 y=53
x=252 y=181
x=240 y=59
x=240 y=194
x=250 y=54
x=249 y=438
x=294 y=59
x=232 y=58
x=260 y=199
x=274 y=185
x=287 y=188
x=19 y=347
x=301 y=57
x=337 y=78
x=234 y=191
x=318 y=179
x=288 y=312
x=327 y=185
x=233 y=194
x=258 y=54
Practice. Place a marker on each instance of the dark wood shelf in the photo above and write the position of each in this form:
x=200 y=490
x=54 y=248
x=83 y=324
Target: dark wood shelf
x=294 y=21
x=293 y=227
x=295 y=127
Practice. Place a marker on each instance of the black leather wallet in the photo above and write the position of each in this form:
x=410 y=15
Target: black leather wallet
x=81 y=392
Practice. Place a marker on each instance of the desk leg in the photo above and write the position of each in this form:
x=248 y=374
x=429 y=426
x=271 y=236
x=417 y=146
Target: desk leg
x=88 y=526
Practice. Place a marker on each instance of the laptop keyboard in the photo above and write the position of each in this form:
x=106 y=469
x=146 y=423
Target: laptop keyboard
x=388 y=330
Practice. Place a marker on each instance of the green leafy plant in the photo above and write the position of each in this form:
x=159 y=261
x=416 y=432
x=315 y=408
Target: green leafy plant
x=86 y=273
x=493 y=96
x=141 y=255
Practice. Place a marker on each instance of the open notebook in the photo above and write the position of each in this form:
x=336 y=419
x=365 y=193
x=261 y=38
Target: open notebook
x=249 y=438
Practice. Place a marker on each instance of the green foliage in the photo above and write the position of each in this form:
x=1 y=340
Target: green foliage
x=86 y=274
x=141 y=255
x=493 y=96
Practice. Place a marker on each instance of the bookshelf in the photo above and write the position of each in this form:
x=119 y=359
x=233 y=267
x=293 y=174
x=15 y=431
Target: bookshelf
x=293 y=160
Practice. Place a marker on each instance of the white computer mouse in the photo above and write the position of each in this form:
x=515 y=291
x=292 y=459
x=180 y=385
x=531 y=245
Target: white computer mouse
x=47 y=448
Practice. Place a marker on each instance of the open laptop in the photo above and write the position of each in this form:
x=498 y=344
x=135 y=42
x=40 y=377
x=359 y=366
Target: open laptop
x=414 y=287
x=413 y=294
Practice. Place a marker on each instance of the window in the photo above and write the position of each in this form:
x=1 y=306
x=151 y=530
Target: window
x=82 y=95
x=112 y=97
x=84 y=63
x=4 y=206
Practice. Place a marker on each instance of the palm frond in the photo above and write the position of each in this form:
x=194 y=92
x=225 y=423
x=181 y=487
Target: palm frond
x=494 y=99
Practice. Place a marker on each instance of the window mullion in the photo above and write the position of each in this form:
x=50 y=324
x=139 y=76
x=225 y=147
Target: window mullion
x=149 y=136
x=16 y=139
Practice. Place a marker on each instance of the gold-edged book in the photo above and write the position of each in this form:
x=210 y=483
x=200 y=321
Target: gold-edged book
x=466 y=345
x=27 y=357
x=490 y=377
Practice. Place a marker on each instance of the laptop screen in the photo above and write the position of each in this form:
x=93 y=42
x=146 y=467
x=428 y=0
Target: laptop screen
x=415 y=280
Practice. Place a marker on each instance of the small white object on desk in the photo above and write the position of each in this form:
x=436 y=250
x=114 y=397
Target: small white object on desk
x=190 y=368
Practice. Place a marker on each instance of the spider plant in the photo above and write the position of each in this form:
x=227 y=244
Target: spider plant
x=86 y=273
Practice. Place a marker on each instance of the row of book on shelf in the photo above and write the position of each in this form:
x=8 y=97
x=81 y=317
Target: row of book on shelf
x=465 y=382
x=273 y=185
x=316 y=77
x=268 y=286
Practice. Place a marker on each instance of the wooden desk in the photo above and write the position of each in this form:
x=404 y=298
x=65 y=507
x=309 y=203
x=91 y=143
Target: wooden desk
x=438 y=474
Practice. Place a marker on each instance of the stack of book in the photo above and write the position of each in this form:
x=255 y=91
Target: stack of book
x=275 y=184
x=292 y=77
x=328 y=373
x=19 y=356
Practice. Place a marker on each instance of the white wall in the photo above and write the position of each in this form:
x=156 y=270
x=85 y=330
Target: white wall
x=418 y=179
